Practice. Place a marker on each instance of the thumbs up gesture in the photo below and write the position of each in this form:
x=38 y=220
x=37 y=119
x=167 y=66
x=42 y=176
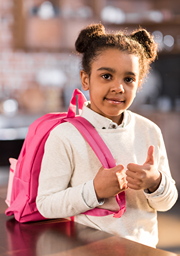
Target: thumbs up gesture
x=144 y=176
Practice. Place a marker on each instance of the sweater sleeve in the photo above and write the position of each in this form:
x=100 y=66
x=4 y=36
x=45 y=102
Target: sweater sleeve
x=56 y=198
x=165 y=200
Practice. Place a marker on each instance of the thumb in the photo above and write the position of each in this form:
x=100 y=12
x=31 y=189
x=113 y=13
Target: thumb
x=119 y=168
x=150 y=156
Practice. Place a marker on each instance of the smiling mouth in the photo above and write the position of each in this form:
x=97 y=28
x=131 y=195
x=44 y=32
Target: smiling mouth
x=114 y=101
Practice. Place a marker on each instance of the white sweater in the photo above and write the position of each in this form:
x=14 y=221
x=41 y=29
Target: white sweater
x=69 y=166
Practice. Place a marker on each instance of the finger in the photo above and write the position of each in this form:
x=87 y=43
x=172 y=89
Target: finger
x=121 y=178
x=122 y=183
x=134 y=186
x=118 y=168
x=150 y=156
x=125 y=186
x=130 y=180
x=131 y=174
x=134 y=167
x=121 y=175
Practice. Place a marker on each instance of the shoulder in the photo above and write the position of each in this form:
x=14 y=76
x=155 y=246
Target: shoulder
x=143 y=123
x=64 y=131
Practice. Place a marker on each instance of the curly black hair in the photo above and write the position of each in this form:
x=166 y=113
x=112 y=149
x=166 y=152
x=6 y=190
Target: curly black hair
x=93 y=40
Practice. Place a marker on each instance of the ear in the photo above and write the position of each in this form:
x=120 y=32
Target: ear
x=84 y=80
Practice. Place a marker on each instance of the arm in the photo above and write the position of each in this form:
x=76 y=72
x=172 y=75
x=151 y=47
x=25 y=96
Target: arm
x=168 y=197
x=56 y=199
x=162 y=193
x=165 y=196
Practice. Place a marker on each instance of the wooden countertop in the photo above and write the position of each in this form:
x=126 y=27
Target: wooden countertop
x=62 y=237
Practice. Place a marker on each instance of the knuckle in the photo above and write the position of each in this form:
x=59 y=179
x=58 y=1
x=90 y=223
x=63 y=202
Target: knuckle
x=138 y=184
x=127 y=172
x=128 y=179
x=141 y=175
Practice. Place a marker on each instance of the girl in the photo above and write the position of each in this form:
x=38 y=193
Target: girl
x=72 y=180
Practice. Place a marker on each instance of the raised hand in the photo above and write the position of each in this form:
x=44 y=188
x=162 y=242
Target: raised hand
x=110 y=182
x=144 y=176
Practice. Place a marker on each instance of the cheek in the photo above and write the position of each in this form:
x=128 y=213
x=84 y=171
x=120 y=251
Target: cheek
x=95 y=90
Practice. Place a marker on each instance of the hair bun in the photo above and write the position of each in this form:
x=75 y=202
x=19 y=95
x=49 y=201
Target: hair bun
x=87 y=36
x=146 y=40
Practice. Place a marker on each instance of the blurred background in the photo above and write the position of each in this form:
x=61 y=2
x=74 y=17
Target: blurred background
x=39 y=70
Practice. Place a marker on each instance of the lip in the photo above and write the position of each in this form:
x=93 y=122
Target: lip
x=115 y=100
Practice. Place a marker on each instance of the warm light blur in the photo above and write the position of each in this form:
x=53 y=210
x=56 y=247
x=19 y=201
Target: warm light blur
x=39 y=68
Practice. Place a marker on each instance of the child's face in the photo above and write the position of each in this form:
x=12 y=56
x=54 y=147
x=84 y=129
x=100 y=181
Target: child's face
x=113 y=83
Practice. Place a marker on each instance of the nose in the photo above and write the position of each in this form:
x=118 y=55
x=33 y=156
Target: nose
x=118 y=88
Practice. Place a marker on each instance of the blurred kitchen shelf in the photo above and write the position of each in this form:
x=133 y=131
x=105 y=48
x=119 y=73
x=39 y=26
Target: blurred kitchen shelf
x=13 y=130
x=15 y=127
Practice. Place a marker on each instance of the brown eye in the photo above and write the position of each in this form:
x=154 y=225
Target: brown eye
x=129 y=79
x=107 y=76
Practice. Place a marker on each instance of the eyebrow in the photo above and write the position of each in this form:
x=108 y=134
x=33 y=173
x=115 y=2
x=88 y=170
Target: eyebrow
x=107 y=69
x=131 y=73
x=114 y=71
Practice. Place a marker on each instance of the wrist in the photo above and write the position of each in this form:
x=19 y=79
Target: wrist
x=96 y=189
x=156 y=185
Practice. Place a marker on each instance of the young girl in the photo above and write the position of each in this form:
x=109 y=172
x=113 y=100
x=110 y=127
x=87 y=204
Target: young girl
x=72 y=180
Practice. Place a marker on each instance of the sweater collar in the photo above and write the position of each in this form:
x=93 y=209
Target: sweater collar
x=101 y=122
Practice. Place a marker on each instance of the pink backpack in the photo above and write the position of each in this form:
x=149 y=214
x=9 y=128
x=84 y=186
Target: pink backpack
x=24 y=172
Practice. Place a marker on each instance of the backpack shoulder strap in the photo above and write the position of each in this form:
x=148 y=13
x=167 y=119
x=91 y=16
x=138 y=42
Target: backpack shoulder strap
x=104 y=155
x=94 y=139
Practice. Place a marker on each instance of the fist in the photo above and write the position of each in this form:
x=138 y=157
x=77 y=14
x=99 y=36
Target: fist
x=144 y=176
x=110 y=182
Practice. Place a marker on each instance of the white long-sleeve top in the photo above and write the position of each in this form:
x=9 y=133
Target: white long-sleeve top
x=69 y=166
